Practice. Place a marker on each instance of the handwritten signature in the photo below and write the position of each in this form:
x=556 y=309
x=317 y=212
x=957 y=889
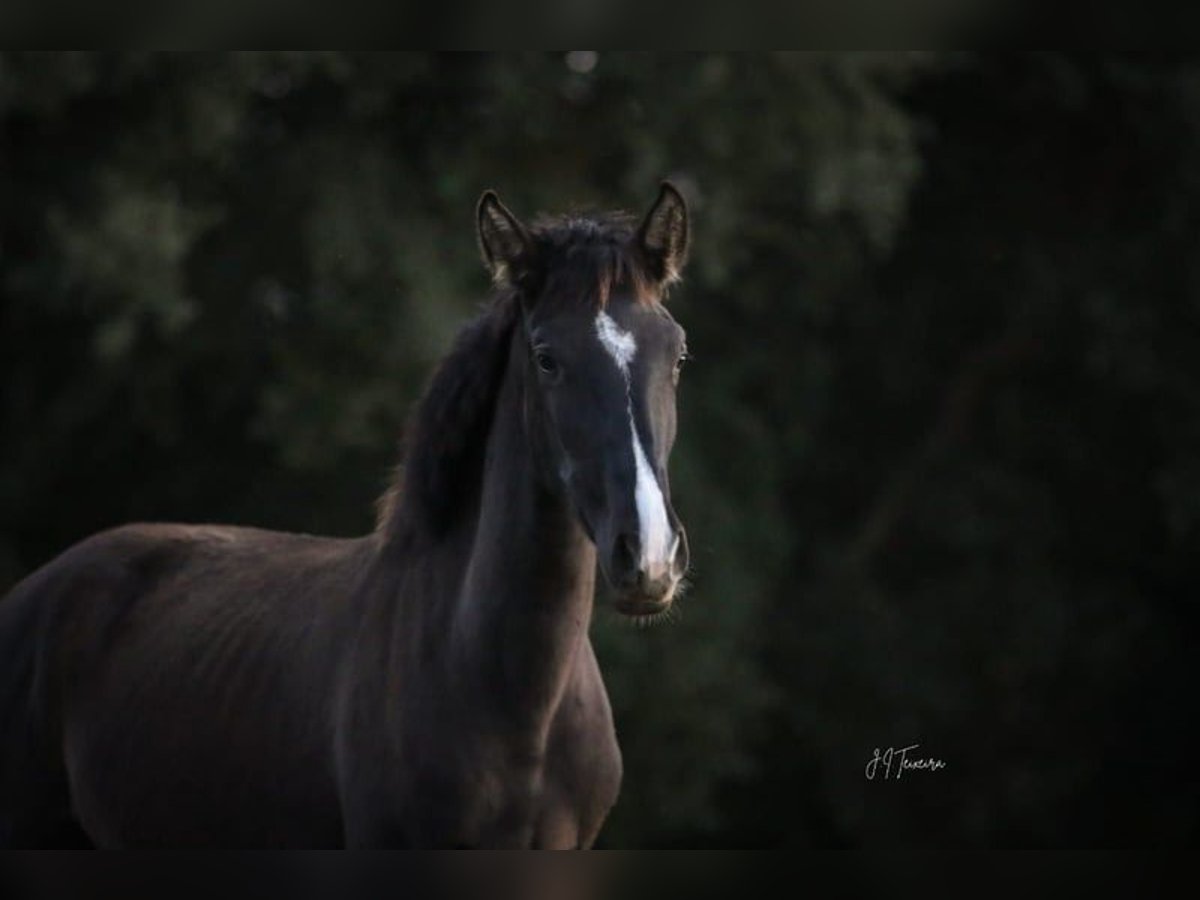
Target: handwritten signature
x=895 y=761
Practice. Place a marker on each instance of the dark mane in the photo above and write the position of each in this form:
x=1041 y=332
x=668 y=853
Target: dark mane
x=447 y=433
x=579 y=259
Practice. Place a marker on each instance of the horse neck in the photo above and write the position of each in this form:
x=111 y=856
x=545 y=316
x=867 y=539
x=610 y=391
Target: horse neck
x=525 y=602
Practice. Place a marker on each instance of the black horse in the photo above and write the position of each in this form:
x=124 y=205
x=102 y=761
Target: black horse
x=429 y=685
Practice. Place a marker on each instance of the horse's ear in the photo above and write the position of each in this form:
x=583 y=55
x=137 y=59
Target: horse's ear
x=503 y=240
x=663 y=235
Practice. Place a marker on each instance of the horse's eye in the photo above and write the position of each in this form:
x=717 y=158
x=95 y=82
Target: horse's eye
x=545 y=362
x=684 y=356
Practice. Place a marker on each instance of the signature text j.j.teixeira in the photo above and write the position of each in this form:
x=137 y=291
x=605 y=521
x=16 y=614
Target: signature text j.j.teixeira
x=895 y=761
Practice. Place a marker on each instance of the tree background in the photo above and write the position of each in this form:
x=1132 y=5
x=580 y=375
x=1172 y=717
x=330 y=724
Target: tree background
x=940 y=443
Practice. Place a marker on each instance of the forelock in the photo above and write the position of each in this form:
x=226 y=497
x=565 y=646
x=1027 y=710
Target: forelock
x=587 y=258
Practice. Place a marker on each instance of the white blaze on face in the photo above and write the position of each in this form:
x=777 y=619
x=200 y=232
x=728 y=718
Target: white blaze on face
x=655 y=537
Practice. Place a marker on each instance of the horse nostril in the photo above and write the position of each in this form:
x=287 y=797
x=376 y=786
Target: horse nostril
x=625 y=553
x=679 y=555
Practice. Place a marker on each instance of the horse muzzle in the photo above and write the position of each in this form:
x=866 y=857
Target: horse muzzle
x=646 y=587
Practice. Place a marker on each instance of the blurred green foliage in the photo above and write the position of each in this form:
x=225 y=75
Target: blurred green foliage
x=940 y=448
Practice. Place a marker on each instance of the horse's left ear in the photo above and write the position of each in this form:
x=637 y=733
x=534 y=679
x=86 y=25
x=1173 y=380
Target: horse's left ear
x=503 y=240
x=663 y=235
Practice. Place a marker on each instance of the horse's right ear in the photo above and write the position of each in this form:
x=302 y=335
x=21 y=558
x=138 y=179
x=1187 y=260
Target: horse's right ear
x=503 y=240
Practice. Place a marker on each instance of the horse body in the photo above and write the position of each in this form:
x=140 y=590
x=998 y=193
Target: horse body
x=481 y=721
x=179 y=696
x=430 y=684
